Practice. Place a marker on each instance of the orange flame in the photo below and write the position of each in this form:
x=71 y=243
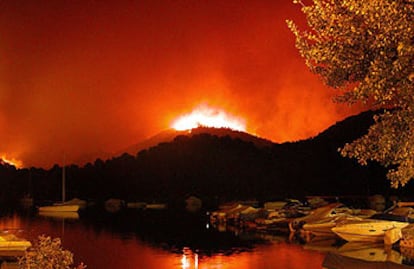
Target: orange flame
x=208 y=117
x=12 y=161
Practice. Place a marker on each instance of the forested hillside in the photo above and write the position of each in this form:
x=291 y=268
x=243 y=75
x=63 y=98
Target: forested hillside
x=215 y=168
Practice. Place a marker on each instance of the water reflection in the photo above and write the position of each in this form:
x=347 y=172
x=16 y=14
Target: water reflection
x=270 y=256
x=59 y=215
x=157 y=240
x=11 y=222
x=189 y=259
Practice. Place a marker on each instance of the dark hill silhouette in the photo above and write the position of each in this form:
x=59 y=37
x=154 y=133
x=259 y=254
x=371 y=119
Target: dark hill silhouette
x=168 y=135
x=347 y=130
x=343 y=131
x=317 y=167
x=218 y=165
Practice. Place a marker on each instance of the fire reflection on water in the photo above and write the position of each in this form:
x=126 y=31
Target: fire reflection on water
x=95 y=247
x=282 y=256
x=189 y=259
x=11 y=223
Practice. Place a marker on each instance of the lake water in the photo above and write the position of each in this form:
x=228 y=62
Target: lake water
x=161 y=240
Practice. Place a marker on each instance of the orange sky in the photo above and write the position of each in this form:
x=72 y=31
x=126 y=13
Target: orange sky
x=85 y=77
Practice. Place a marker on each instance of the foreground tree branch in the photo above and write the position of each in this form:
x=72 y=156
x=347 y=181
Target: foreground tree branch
x=365 y=50
x=47 y=253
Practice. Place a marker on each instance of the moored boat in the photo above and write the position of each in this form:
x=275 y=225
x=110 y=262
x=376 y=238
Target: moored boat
x=64 y=206
x=367 y=230
x=324 y=226
x=10 y=242
x=321 y=228
x=316 y=215
x=320 y=221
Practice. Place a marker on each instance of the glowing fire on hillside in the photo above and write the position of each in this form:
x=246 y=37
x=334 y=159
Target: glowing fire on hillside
x=11 y=161
x=208 y=117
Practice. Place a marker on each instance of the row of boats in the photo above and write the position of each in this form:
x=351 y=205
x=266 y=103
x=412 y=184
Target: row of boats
x=74 y=205
x=322 y=220
x=349 y=237
x=13 y=245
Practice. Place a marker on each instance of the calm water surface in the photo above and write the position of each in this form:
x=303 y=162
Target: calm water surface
x=161 y=239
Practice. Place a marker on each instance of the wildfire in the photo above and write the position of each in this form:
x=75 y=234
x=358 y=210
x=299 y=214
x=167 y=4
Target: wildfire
x=11 y=161
x=208 y=117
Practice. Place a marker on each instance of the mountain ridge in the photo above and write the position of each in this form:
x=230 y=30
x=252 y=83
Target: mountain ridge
x=221 y=168
x=169 y=135
x=341 y=132
x=345 y=130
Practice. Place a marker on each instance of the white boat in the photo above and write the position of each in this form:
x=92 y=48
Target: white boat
x=324 y=227
x=62 y=206
x=321 y=228
x=10 y=242
x=322 y=213
x=368 y=230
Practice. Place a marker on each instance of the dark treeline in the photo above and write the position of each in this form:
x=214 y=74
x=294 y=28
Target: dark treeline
x=214 y=168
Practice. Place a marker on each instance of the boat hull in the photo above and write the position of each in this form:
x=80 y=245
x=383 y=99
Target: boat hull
x=20 y=245
x=320 y=229
x=368 y=231
x=10 y=242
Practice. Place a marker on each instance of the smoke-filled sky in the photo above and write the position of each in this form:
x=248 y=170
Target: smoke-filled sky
x=82 y=77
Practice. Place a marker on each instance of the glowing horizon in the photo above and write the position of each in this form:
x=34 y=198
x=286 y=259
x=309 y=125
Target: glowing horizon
x=125 y=82
x=205 y=116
